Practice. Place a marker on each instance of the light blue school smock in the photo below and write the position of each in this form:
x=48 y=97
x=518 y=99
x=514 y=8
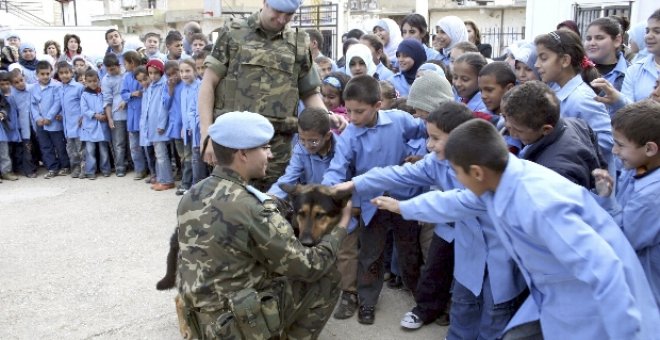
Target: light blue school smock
x=363 y=148
x=45 y=103
x=93 y=130
x=70 y=98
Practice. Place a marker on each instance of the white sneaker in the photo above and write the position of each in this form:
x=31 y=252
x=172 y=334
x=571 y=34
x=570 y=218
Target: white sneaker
x=411 y=321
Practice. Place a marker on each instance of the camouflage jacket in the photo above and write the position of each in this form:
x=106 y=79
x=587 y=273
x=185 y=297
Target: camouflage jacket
x=230 y=240
x=260 y=71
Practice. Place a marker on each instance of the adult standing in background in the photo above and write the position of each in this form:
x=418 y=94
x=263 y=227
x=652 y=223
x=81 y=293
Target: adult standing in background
x=189 y=30
x=474 y=36
x=268 y=78
x=52 y=48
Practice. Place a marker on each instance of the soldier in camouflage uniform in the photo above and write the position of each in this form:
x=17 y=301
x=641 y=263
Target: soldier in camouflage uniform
x=261 y=65
x=242 y=272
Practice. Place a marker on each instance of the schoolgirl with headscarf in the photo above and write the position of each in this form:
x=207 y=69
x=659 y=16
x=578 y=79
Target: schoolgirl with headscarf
x=413 y=49
x=390 y=33
x=450 y=30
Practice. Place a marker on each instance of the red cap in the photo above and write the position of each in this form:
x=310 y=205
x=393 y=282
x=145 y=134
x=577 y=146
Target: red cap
x=157 y=64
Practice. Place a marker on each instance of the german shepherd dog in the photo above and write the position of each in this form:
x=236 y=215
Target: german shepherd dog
x=314 y=210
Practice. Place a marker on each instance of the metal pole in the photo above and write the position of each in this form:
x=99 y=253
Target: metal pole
x=62 y=10
x=75 y=13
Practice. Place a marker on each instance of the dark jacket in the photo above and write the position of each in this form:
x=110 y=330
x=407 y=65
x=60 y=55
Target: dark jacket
x=571 y=150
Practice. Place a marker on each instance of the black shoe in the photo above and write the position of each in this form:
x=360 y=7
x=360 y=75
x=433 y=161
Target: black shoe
x=395 y=283
x=366 y=315
x=347 y=306
x=180 y=191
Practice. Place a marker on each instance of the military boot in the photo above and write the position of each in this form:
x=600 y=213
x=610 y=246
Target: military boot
x=347 y=305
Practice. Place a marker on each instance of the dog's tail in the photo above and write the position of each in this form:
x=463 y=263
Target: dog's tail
x=167 y=282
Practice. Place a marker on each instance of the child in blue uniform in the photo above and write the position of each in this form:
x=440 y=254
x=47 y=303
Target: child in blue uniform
x=603 y=44
x=95 y=131
x=46 y=113
x=156 y=119
x=172 y=103
x=410 y=56
x=376 y=138
x=20 y=102
x=376 y=47
x=190 y=118
x=70 y=93
x=636 y=130
x=8 y=133
x=450 y=30
x=584 y=278
x=115 y=110
x=142 y=76
x=465 y=78
x=131 y=94
x=563 y=65
x=486 y=280
x=496 y=79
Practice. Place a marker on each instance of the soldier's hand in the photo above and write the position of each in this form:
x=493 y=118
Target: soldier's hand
x=387 y=203
x=338 y=122
x=209 y=155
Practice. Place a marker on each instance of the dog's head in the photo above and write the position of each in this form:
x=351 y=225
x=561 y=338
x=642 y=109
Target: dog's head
x=317 y=209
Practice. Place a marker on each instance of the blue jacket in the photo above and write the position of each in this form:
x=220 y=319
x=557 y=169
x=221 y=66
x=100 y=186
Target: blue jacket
x=133 y=104
x=577 y=100
x=383 y=72
x=640 y=79
x=584 y=277
x=400 y=84
x=9 y=131
x=571 y=150
x=173 y=106
x=111 y=89
x=635 y=211
x=431 y=53
x=154 y=114
x=475 y=104
x=189 y=114
x=20 y=102
x=303 y=168
x=359 y=149
x=46 y=104
x=70 y=98
x=93 y=130
x=477 y=245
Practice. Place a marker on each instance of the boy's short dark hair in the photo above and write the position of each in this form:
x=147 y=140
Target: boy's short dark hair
x=132 y=57
x=14 y=74
x=502 y=72
x=63 y=64
x=477 y=142
x=152 y=35
x=140 y=69
x=5 y=76
x=402 y=104
x=43 y=65
x=532 y=104
x=199 y=36
x=110 y=60
x=639 y=122
x=314 y=119
x=171 y=64
x=364 y=89
x=315 y=35
x=223 y=154
x=173 y=36
x=112 y=30
x=91 y=73
x=449 y=116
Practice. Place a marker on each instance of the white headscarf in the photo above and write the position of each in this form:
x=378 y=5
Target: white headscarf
x=455 y=28
x=363 y=52
x=395 y=36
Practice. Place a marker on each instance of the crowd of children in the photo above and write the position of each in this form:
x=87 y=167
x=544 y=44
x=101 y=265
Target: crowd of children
x=512 y=198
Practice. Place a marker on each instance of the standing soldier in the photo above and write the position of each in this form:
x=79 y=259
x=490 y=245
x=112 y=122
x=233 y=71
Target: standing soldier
x=243 y=273
x=261 y=65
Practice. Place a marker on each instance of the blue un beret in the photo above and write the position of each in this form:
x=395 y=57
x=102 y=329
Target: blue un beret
x=285 y=6
x=241 y=130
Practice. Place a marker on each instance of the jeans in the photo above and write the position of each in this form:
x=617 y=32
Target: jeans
x=53 y=149
x=199 y=169
x=432 y=293
x=137 y=152
x=74 y=151
x=478 y=317
x=90 y=158
x=185 y=154
x=119 y=145
x=163 y=166
x=5 y=161
x=150 y=157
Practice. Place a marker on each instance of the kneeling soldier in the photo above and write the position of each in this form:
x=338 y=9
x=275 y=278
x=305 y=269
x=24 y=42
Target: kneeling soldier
x=243 y=273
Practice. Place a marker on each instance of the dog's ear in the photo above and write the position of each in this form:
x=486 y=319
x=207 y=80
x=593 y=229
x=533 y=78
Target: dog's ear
x=289 y=189
x=342 y=197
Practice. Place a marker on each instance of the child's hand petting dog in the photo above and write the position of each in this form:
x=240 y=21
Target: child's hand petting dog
x=386 y=203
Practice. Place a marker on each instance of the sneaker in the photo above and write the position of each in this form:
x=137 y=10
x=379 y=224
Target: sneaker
x=120 y=174
x=75 y=173
x=366 y=315
x=140 y=175
x=411 y=321
x=50 y=174
x=89 y=176
x=63 y=172
x=9 y=177
x=106 y=174
x=180 y=191
x=347 y=306
x=32 y=175
x=162 y=186
x=395 y=283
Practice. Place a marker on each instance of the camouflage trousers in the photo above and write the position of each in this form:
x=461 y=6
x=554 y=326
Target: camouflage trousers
x=280 y=147
x=304 y=308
